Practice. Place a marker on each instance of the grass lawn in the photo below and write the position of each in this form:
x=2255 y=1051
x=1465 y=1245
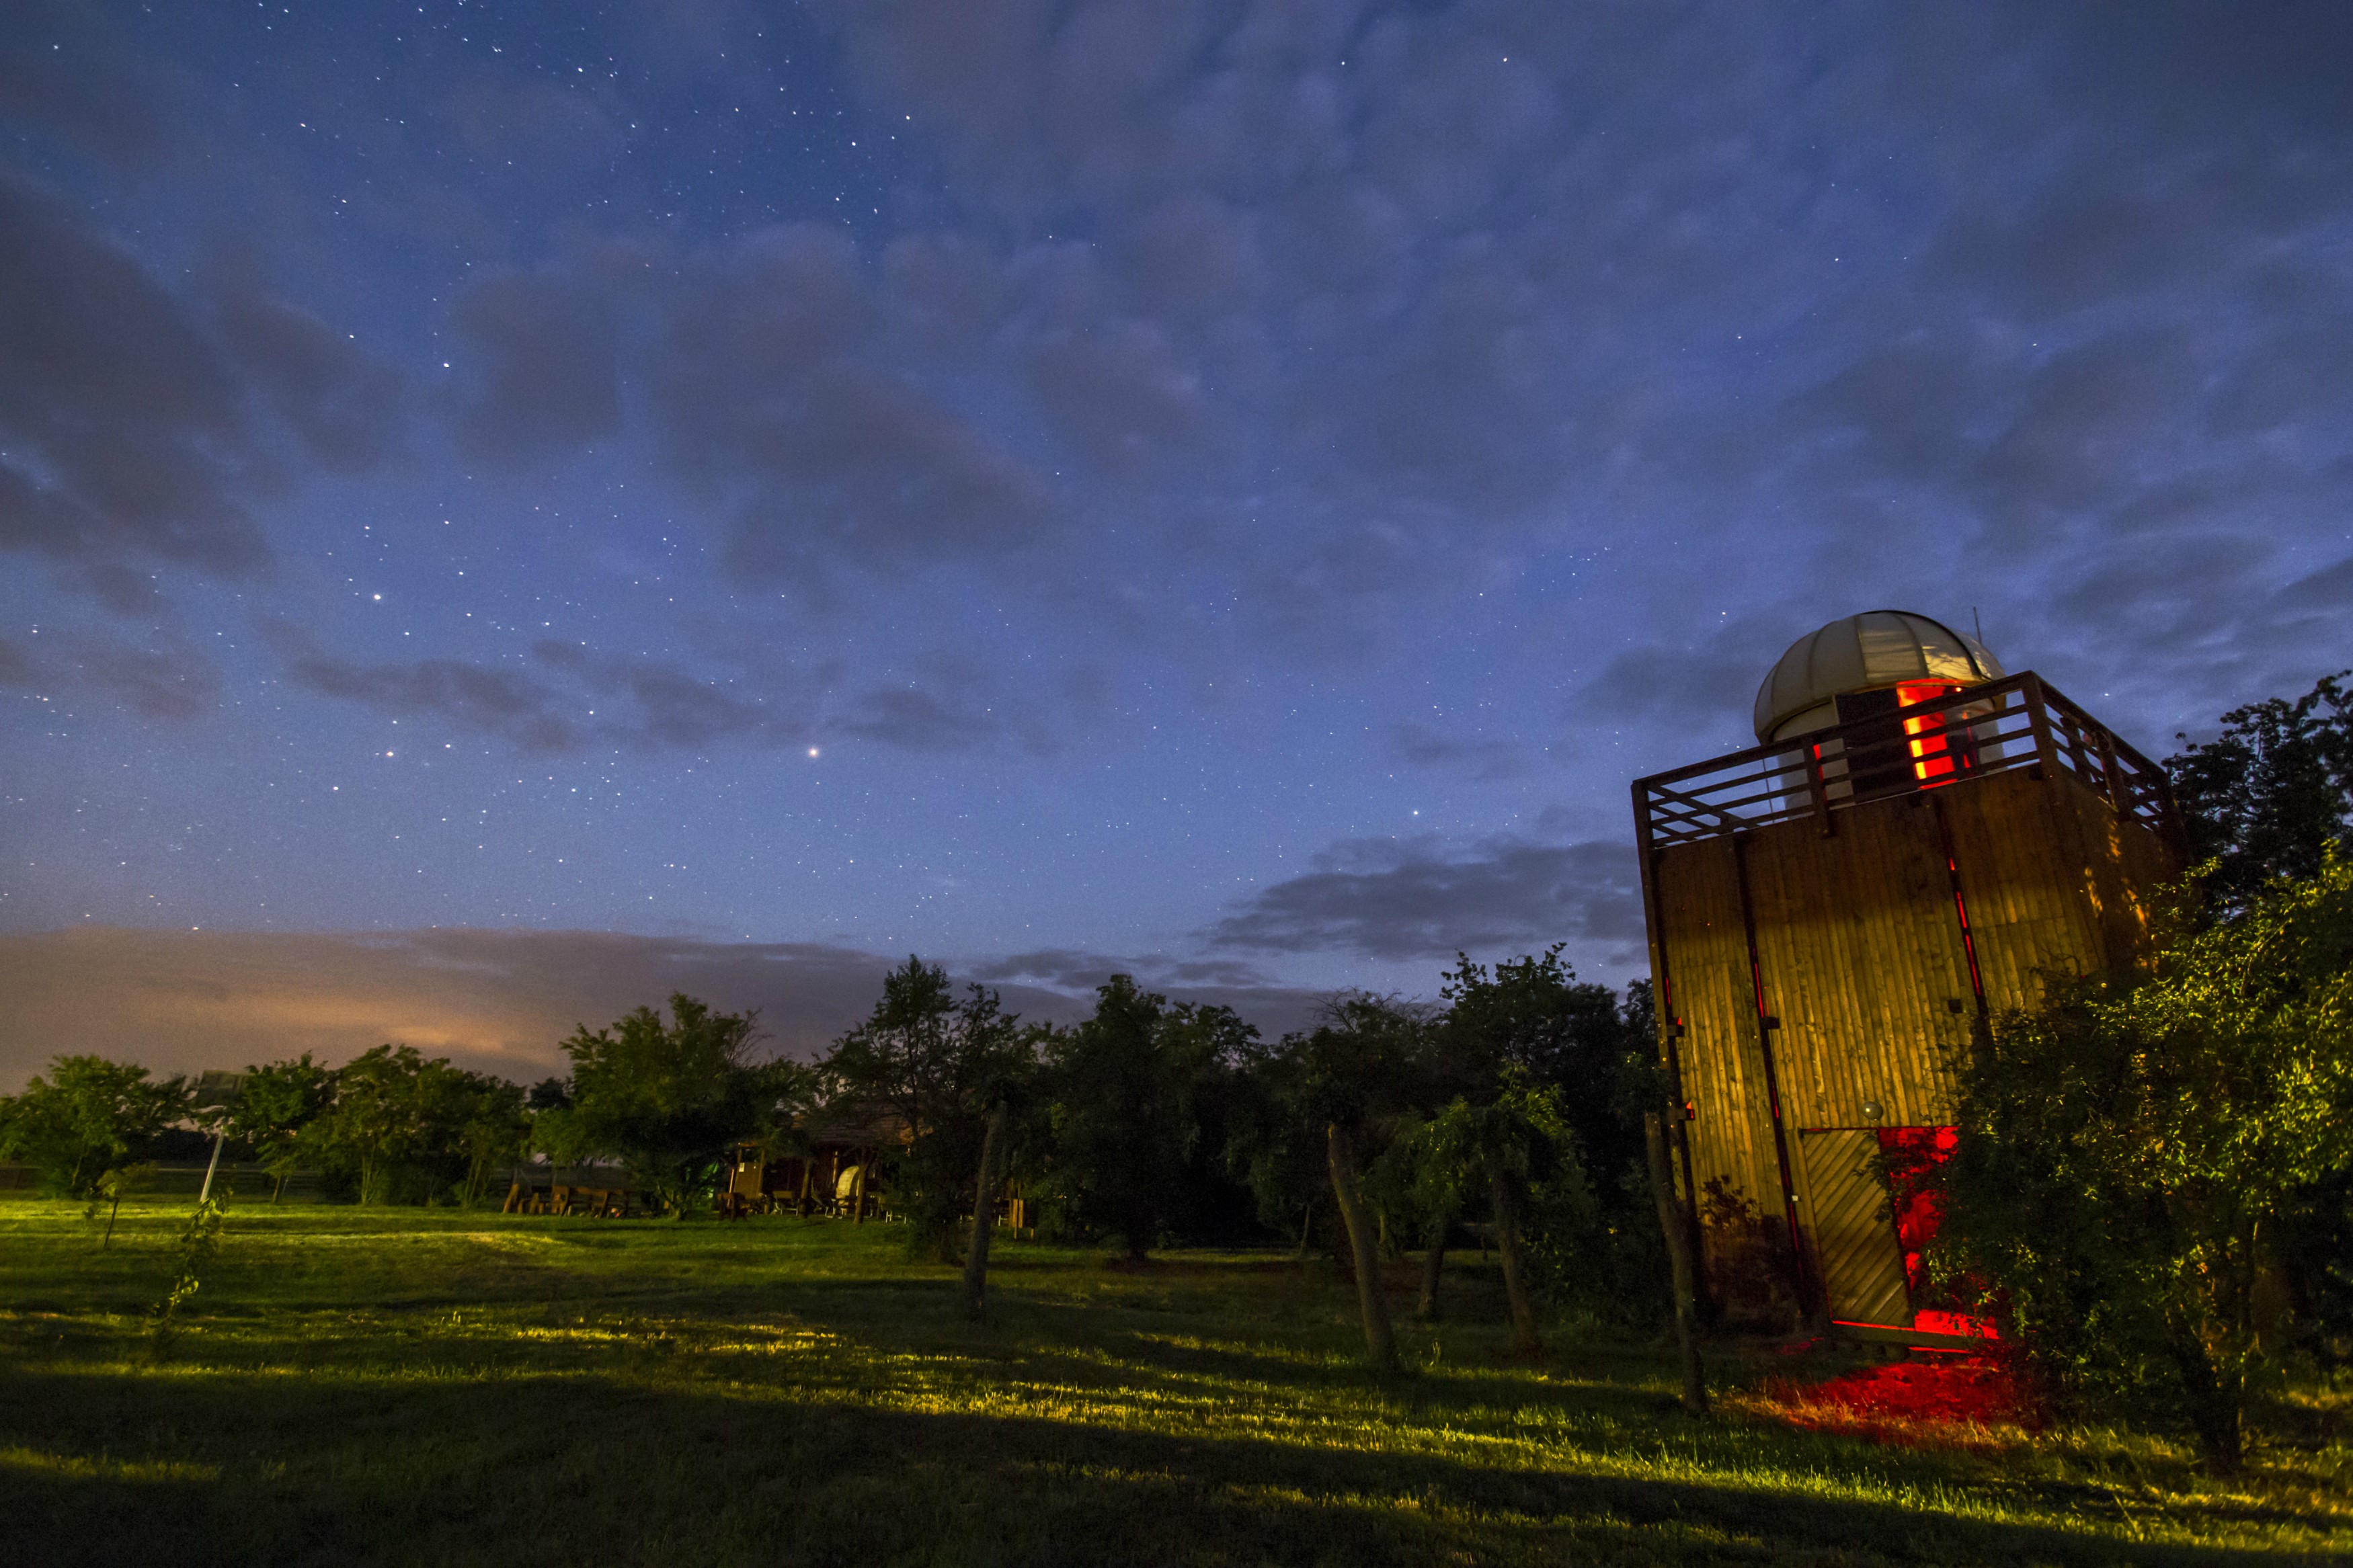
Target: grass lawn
x=405 y=1386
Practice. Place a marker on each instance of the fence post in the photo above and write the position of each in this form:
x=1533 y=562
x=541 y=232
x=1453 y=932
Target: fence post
x=2038 y=714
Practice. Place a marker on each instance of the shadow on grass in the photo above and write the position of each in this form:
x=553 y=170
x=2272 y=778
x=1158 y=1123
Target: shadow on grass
x=206 y=1468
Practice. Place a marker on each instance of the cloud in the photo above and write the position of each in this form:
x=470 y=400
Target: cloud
x=1424 y=747
x=542 y=364
x=1076 y=969
x=122 y=421
x=1702 y=684
x=571 y=698
x=153 y=684
x=776 y=404
x=775 y=397
x=349 y=410
x=88 y=86
x=641 y=704
x=945 y=702
x=1274 y=1007
x=498 y=1001
x=1118 y=393
x=1391 y=899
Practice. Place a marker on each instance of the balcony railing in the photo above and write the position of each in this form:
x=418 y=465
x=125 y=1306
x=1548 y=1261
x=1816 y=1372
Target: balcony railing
x=2016 y=722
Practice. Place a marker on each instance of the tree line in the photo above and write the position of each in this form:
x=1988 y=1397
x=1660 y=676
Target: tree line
x=1511 y=1107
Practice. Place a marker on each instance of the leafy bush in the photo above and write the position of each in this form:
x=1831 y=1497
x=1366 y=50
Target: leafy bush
x=85 y=1118
x=2142 y=1158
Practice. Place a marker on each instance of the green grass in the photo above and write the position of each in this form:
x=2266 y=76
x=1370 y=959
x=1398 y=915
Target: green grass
x=400 y=1386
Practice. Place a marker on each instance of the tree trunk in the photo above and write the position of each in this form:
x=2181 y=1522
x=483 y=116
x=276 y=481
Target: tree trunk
x=857 y=1188
x=1380 y=1339
x=1306 y=1227
x=1679 y=1263
x=1507 y=1246
x=2211 y=1399
x=984 y=1213
x=1433 y=1261
x=113 y=1210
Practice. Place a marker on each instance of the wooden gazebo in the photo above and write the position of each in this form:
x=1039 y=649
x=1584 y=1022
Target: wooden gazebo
x=830 y=1171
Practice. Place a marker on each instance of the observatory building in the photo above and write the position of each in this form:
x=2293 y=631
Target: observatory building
x=1917 y=840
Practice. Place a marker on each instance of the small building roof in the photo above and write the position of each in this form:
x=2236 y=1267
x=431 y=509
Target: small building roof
x=1868 y=652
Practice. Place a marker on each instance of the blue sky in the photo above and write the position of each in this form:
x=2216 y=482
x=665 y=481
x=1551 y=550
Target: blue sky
x=1232 y=491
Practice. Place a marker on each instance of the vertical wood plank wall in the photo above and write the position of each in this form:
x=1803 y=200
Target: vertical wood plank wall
x=1859 y=945
x=1698 y=920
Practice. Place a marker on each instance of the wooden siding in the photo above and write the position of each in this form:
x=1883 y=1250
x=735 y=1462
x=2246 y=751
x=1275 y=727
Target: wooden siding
x=1859 y=944
x=1698 y=920
x=1860 y=949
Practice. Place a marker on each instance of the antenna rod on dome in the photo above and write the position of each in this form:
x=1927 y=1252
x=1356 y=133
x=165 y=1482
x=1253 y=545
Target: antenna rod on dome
x=1976 y=623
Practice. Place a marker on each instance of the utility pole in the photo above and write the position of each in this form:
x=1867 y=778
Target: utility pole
x=219 y=1093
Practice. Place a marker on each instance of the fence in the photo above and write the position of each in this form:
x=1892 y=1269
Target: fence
x=178 y=1180
x=2016 y=722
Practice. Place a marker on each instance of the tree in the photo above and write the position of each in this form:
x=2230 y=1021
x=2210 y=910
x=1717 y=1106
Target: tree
x=975 y=1252
x=85 y=1118
x=1130 y=1085
x=942 y=1065
x=1355 y=1078
x=374 y=1126
x=2135 y=1154
x=1274 y=1147
x=1549 y=1077
x=489 y=1126
x=1533 y=1016
x=2271 y=794
x=668 y=1099
x=274 y=1105
x=1515 y=1142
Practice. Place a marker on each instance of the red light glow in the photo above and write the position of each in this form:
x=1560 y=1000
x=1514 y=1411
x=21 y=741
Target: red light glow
x=1933 y=761
x=1906 y=1404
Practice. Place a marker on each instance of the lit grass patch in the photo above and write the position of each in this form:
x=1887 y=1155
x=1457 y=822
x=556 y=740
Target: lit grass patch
x=382 y=1386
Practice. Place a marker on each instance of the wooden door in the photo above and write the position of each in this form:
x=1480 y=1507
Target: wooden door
x=1843 y=1197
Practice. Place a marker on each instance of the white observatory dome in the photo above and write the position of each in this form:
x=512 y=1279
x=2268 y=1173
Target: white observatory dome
x=1870 y=652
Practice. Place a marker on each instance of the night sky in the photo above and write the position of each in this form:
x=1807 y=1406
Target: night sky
x=696 y=490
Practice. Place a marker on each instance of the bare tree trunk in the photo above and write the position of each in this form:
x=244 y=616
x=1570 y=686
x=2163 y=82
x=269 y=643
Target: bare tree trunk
x=2211 y=1399
x=1306 y=1227
x=858 y=1187
x=1380 y=1339
x=984 y=1214
x=1679 y=1263
x=1433 y=1261
x=1507 y=1246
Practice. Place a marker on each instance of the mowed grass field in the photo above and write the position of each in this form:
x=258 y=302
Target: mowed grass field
x=407 y=1386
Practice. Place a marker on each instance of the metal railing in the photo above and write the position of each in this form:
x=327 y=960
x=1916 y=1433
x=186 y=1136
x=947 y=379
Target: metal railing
x=2016 y=722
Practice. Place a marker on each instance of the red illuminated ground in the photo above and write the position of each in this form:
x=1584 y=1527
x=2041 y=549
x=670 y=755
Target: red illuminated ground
x=1929 y=1399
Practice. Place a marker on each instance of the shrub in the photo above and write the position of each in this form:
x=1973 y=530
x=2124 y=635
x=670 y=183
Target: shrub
x=2138 y=1156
